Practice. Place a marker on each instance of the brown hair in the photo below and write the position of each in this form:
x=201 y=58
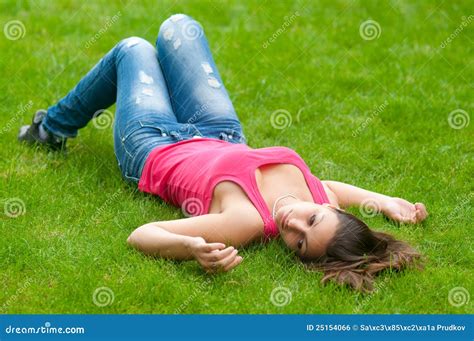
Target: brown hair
x=356 y=254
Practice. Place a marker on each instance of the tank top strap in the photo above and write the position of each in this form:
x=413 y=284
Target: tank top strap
x=270 y=228
x=251 y=188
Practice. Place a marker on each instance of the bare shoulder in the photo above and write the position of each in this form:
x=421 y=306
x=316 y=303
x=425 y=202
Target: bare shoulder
x=237 y=210
x=331 y=195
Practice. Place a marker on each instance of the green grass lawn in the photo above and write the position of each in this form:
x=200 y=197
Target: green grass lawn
x=368 y=108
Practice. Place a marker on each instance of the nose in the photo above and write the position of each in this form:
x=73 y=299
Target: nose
x=296 y=225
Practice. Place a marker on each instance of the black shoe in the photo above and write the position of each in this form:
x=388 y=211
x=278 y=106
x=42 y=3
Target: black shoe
x=31 y=134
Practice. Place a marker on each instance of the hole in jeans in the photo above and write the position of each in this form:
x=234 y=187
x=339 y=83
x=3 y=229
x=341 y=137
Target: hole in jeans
x=177 y=44
x=147 y=91
x=144 y=78
x=207 y=68
x=213 y=82
x=168 y=35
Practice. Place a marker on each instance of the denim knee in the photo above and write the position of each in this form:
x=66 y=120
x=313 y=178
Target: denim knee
x=125 y=45
x=179 y=28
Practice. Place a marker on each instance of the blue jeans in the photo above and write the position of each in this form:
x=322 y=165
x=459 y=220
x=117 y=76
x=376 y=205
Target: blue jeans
x=163 y=96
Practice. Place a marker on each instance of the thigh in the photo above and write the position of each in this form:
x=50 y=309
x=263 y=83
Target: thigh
x=194 y=83
x=144 y=114
x=141 y=87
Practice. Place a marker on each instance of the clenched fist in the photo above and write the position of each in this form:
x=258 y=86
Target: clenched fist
x=214 y=257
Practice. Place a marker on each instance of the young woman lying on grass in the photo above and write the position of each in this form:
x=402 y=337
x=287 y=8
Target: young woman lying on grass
x=177 y=136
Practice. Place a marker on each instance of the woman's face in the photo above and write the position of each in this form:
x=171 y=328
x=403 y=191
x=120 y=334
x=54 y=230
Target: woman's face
x=307 y=227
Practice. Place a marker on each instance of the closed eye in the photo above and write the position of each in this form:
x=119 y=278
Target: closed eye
x=312 y=219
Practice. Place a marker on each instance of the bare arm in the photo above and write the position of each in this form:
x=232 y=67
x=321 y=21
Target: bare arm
x=395 y=208
x=203 y=238
x=153 y=240
x=348 y=195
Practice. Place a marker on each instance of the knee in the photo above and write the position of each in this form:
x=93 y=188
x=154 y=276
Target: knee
x=133 y=42
x=178 y=29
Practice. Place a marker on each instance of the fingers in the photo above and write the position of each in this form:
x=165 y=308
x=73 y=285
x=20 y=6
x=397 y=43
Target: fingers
x=237 y=260
x=228 y=262
x=212 y=246
x=421 y=212
x=404 y=218
x=218 y=255
x=222 y=264
x=417 y=214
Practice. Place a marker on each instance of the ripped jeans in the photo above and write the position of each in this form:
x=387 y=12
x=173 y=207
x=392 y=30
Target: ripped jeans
x=163 y=95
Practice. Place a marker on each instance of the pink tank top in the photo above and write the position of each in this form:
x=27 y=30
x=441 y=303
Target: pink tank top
x=185 y=173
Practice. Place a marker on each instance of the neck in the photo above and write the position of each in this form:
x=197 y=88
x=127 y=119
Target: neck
x=282 y=201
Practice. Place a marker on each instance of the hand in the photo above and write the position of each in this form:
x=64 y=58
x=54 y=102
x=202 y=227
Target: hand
x=214 y=257
x=403 y=211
